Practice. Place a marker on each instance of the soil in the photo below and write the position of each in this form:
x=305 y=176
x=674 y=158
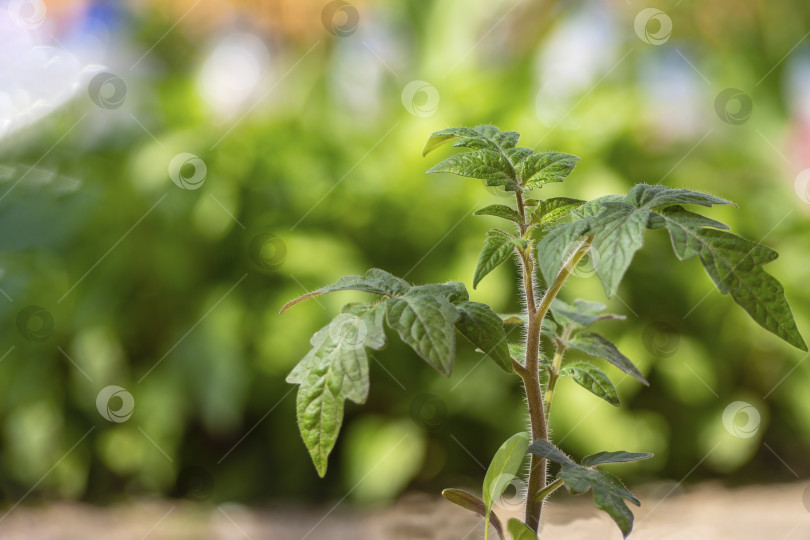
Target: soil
x=705 y=512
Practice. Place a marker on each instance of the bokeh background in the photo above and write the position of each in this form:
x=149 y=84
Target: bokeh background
x=172 y=172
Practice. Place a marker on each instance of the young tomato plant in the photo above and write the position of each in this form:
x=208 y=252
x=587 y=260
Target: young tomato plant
x=549 y=238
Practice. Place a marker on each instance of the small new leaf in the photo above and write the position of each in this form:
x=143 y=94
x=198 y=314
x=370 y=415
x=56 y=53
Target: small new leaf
x=504 y=468
x=552 y=210
x=519 y=530
x=543 y=168
x=501 y=211
x=608 y=493
x=581 y=313
x=498 y=247
x=593 y=380
x=596 y=345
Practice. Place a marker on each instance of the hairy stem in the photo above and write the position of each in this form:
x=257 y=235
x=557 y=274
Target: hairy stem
x=554 y=370
x=531 y=378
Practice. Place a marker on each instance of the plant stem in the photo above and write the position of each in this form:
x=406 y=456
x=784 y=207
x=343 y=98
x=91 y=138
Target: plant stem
x=554 y=370
x=531 y=378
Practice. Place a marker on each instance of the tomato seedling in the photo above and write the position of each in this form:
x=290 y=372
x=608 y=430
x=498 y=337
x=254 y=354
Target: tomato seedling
x=549 y=239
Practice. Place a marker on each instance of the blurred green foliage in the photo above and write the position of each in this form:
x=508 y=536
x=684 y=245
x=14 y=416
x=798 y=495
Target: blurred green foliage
x=159 y=290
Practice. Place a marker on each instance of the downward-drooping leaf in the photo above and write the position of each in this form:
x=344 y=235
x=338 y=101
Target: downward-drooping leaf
x=375 y=281
x=608 y=493
x=735 y=266
x=596 y=345
x=470 y=502
x=498 y=247
x=601 y=458
x=427 y=324
x=519 y=530
x=479 y=324
x=543 y=168
x=501 y=211
x=581 y=313
x=335 y=369
x=551 y=210
x=558 y=246
x=647 y=196
x=593 y=380
x=504 y=468
x=618 y=232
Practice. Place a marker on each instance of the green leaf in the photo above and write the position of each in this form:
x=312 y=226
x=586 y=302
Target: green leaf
x=445 y=135
x=558 y=246
x=501 y=211
x=593 y=380
x=504 y=468
x=479 y=324
x=375 y=281
x=470 y=502
x=734 y=264
x=596 y=345
x=608 y=493
x=335 y=369
x=581 y=313
x=454 y=291
x=618 y=232
x=551 y=210
x=543 y=168
x=488 y=165
x=519 y=530
x=601 y=458
x=427 y=324
x=498 y=247
x=547 y=450
x=646 y=196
